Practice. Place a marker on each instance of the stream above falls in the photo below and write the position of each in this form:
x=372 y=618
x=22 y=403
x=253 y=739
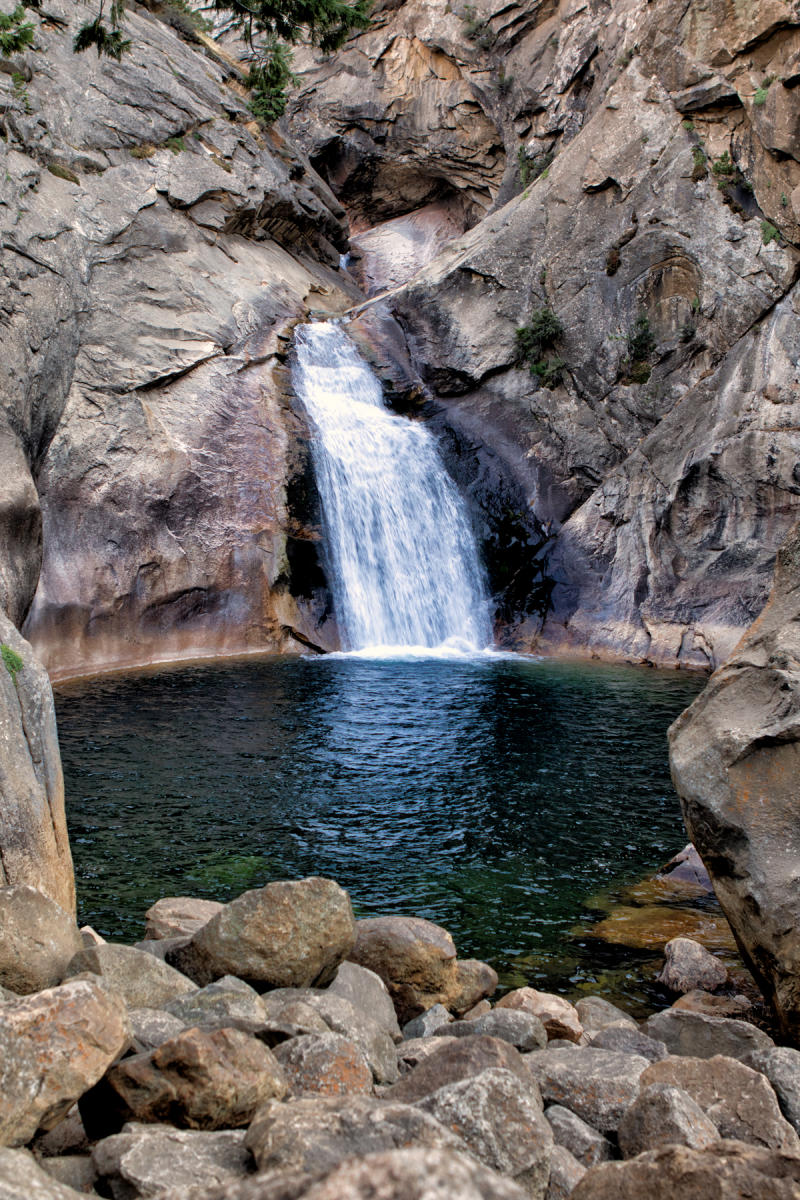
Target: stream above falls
x=494 y=795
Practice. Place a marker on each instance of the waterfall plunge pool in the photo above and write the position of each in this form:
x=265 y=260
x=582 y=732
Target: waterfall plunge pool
x=495 y=795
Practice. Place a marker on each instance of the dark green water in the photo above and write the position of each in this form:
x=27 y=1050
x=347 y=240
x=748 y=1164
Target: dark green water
x=492 y=796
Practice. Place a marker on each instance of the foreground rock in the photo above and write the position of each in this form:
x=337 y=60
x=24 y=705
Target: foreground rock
x=735 y=756
x=598 y=1085
x=689 y=966
x=53 y=1047
x=781 y=1065
x=728 y=1170
x=415 y=1175
x=37 y=940
x=585 y=1144
x=291 y=934
x=367 y=991
x=500 y=1118
x=324 y=1064
x=315 y=1135
x=663 y=1115
x=22 y=1178
x=200 y=1079
x=143 y=1161
x=142 y=980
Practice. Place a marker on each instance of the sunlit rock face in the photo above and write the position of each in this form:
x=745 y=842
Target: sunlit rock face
x=651 y=169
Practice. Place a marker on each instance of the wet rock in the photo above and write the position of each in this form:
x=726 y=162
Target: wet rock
x=583 y=1142
x=595 y=1013
x=565 y=1174
x=558 y=1016
x=324 y=1064
x=689 y=966
x=142 y=980
x=500 y=1118
x=37 y=940
x=459 y=1059
x=151 y=1027
x=291 y=934
x=178 y=916
x=53 y=1047
x=781 y=1065
x=143 y=1161
x=415 y=959
x=74 y=1170
x=314 y=1135
x=739 y=1101
x=226 y=1001
x=702 y=1036
x=367 y=992
x=518 y=1028
x=630 y=1041
x=22 y=1178
x=687 y=867
x=200 y=1079
x=428 y=1024
x=728 y=1170
x=598 y=1085
x=662 y=1115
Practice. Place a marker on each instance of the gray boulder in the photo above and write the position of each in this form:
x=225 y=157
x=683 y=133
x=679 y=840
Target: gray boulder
x=37 y=939
x=411 y=1053
x=227 y=1001
x=689 y=966
x=367 y=992
x=630 y=1041
x=598 y=1085
x=662 y=1115
x=458 y=1059
x=559 y=1017
x=583 y=1142
x=324 y=1064
x=415 y=1174
x=565 y=1174
x=152 y=1027
x=75 y=1170
x=781 y=1065
x=428 y=1024
x=500 y=1118
x=344 y=1018
x=518 y=1028
x=702 y=1036
x=595 y=1014
x=291 y=934
x=144 y=1160
x=142 y=980
x=22 y=1178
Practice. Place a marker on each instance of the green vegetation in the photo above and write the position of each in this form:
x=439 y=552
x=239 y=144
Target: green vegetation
x=535 y=339
x=699 y=160
x=641 y=347
x=269 y=28
x=11 y=660
x=16 y=34
x=62 y=172
x=627 y=56
x=478 y=29
x=688 y=125
x=769 y=233
x=760 y=94
x=531 y=169
x=175 y=144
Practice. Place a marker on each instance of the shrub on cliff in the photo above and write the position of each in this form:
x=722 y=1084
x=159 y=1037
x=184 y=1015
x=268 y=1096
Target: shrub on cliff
x=534 y=340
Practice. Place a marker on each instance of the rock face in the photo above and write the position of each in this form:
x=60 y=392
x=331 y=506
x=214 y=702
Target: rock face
x=37 y=940
x=291 y=934
x=735 y=756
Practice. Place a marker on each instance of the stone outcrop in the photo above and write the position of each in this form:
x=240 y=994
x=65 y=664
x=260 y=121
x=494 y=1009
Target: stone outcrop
x=735 y=756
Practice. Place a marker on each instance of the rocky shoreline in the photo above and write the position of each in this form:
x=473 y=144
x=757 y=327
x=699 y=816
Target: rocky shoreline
x=274 y=1048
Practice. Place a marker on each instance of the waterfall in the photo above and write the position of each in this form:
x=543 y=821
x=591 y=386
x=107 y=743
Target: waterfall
x=404 y=565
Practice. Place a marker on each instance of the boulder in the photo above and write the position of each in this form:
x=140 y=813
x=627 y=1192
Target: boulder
x=22 y=1178
x=735 y=758
x=565 y=1174
x=67 y=1137
x=427 y=1024
x=415 y=959
x=630 y=1041
x=728 y=1170
x=75 y=1170
x=152 y=1027
x=201 y=1079
x=475 y=980
x=411 y=1053
x=324 y=1064
x=713 y=1006
x=689 y=966
x=142 y=980
x=344 y=1018
x=585 y=1144
x=178 y=916
x=500 y=1118
x=595 y=1013
x=781 y=1065
x=687 y=867
x=53 y=1047
x=739 y=1101
x=144 y=1160
x=598 y=1085
x=518 y=1028
x=461 y=1058
x=37 y=940
x=662 y=1115
x=287 y=934
x=703 y=1036
x=315 y=1134
x=228 y=1001
x=367 y=992
x=478 y=1010
x=559 y=1017
x=414 y=1174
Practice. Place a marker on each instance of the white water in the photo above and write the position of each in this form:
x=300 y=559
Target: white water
x=406 y=577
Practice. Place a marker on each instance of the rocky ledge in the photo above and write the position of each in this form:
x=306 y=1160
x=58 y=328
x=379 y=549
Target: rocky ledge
x=274 y=1048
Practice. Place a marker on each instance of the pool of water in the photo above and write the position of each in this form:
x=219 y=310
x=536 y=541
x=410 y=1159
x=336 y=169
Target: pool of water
x=494 y=796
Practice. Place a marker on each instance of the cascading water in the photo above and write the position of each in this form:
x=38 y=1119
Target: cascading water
x=405 y=568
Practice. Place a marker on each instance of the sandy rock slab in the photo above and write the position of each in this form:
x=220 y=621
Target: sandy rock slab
x=54 y=1046
x=287 y=934
x=37 y=940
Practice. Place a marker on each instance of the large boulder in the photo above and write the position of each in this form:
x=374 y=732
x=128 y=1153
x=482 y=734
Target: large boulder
x=37 y=940
x=664 y=1115
x=178 y=916
x=518 y=1028
x=368 y=992
x=415 y=959
x=583 y=1142
x=457 y=1059
x=227 y=1001
x=781 y=1065
x=141 y=979
x=702 y=1036
x=287 y=934
x=735 y=756
x=144 y=1161
x=324 y=1064
x=415 y=1174
x=34 y=844
x=53 y=1047
x=598 y=1085
x=728 y=1170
